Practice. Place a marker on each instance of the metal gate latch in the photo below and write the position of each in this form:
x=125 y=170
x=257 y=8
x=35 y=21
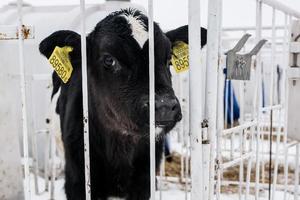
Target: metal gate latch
x=239 y=65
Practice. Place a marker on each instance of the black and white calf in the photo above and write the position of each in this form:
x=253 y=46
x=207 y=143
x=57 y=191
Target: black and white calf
x=118 y=82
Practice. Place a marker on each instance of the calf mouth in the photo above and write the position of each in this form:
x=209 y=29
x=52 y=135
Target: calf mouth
x=163 y=124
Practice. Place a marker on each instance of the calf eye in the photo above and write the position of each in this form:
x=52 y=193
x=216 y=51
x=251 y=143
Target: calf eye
x=109 y=61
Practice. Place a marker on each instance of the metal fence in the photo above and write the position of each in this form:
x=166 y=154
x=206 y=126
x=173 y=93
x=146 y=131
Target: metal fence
x=210 y=146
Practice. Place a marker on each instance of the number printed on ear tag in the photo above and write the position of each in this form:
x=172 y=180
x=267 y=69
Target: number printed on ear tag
x=180 y=57
x=61 y=63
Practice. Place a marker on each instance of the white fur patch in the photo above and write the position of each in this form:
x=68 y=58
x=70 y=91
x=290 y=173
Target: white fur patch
x=139 y=32
x=54 y=125
x=158 y=131
x=115 y=198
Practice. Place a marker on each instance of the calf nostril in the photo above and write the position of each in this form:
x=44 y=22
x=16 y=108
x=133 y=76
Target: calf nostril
x=146 y=105
x=174 y=107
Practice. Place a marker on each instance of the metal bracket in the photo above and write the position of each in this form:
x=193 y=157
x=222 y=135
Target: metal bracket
x=239 y=65
x=295 y=50
x=204 y=125
x=12 y=32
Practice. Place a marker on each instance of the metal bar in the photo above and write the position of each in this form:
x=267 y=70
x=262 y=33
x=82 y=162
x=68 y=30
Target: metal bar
x=243 y=136
x=273 y=56
x=226 y=103
x=264 y=186
x=272 y=107
x=248 y=176
x=236 y=161
x=12 y=32
x=231 y=121
x=257 y=100
x=151 y=98
x=35 y=163
x=296 y=192
x=220 y=111
x=276 y=161
x=272 y=99
x=186 y=138
x=241 y=167
x=212 y=66
x=294 y=143
x=195 y=88
x=85 y=103
x=46 y=161
x=53 y=166
x=287 y=34
x=280 y=6
x=27 y=189
x=249 y=28
x=239 y=128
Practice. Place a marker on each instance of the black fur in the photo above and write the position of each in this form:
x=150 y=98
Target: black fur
x=119 y=130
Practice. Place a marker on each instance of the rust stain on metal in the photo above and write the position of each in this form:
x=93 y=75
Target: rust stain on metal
x=12 y=33
x=3 y=35
x=25 y=32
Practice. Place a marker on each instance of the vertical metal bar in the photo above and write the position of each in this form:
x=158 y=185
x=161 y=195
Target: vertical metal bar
x=243 y=137
x=187 y=139
x=248 y=176
x=151 y=98
x=257 y=105
x=241 y=167
x=273 y=51
x=212 y=66
x=195 y=87
x=46 y=165
x=35 y=165
x=186 y=136
x=53 y=167
x=278 y=135
x=296 y=192
x=27 y=189
x=286 y=35
x=35 y=161
x=182 y=127
x=85 y=103
x=220 y=108
x=231 y=121
x=226 y=102
x=220 y=128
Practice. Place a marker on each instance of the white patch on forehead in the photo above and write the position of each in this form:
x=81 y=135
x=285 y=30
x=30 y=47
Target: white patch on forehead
x=139 y=32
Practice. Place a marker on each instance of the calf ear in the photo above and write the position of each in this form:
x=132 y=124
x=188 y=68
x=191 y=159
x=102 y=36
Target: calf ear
x=182 y=34
x=61 y=39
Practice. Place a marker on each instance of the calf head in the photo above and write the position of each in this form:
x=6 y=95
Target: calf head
x=118 y=71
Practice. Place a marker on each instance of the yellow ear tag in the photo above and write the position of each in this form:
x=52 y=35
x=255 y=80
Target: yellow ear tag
x=61 y=63
x=180 y=57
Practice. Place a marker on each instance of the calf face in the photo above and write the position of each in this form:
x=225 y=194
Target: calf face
x=119 y=68
x=118 y=71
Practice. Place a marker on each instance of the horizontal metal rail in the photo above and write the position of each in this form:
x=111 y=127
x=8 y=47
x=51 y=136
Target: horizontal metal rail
x=236 y=161
x=239 y=128
x=249 y=28
x=269 y=108
x=263 y=185
x=280 y=6
x=8 y=32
